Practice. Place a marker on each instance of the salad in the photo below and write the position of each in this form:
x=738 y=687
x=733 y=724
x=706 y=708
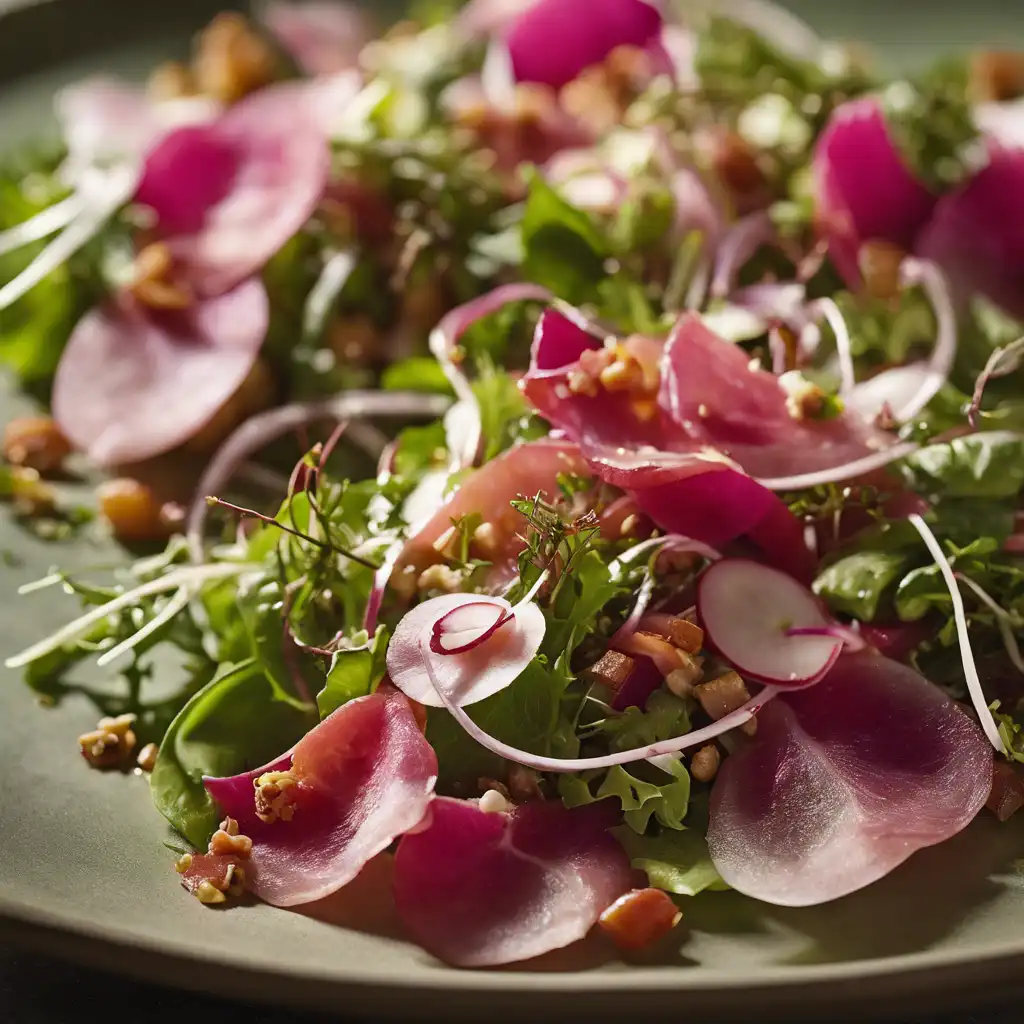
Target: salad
x=683 y=552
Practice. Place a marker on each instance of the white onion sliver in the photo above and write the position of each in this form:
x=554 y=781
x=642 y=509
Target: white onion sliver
x=974 y=687
x=44 y=223
x=740 y=242
x=846 y=471
x=829 y=311
x=581 y=764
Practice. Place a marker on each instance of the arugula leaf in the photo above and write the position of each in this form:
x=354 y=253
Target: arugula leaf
x=664 y=716
x=983 y=465
x=924 y=588
x=232 y=725
x=563 y=248
x=354 y=672
x=677 y=862
x=504 y=415
x=417 y=373
x=525 y=715
x=857 y=584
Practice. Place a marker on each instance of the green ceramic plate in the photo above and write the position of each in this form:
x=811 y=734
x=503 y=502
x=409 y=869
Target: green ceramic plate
x=83 y=871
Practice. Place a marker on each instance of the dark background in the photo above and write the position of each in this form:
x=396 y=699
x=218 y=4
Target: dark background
x=38 y=990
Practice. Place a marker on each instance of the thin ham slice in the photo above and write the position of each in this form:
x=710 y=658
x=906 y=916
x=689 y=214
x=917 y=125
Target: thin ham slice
x=366 y=775
x=523 y=470
x=133 y=383
x=843 y=782
x=480 y=889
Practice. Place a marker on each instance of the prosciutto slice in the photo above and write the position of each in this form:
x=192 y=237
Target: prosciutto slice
x=365 y=775
x=480 y=889
x=134 y=382
x=843 y=782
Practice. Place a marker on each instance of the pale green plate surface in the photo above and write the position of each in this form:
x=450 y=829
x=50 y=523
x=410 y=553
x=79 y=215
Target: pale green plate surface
x=83 y=870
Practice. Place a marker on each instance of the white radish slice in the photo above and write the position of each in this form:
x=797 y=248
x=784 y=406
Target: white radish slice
x=487 y=649
x=748 y=610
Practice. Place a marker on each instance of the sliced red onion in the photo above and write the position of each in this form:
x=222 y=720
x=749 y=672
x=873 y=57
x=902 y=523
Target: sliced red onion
x=974 y=687
x=445 y=336
x=380 y=583
x=581 y=764
x=749 y=610
x=850 y=638
x=671 y=542
x=846 y=471
x=739 y=243
x=1004 y=360
x=908 y=389
x=467 y=626
x=260 y=430
x=829 y=311
x=489 y=655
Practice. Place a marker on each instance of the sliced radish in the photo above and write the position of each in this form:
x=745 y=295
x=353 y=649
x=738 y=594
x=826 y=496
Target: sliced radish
x=475 y=645
x=748 y=611
x=468 y=626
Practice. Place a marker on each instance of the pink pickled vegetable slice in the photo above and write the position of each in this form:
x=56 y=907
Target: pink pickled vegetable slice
x=492 y=647
x=133 y=382
x=479 y=889
x=365 y=775
x=749 y=612
x=843 y=782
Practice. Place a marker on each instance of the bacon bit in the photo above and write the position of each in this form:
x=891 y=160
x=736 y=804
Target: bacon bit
x=1007 y=796
x=612 y=669
x=640 y=918
x=275 y=796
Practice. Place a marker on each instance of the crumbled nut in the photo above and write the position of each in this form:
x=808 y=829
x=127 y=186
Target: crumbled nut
x=682 y=680
x=440 y=577
x=734 y=162
x=485 y=541
x=222 y=842
x=231 y=60
x=1007 y=795
x=579 y=383
x=879 y=262
x=996 y=76
x=640 y=918
x=207 y=893
x=804 y=399
x=623 y=375
x=132 y=509
x=594 y=360
x=722 y=695
x=275 y=796
x=704 y=763
x=110 y=744
x=600 y=94
x=492 y=802
x=35 y=442
x=153 y=282
x=183 y=863
x=612 y=669
x=629 y=525
x=146 y=760
x=170 y=81
x=686 y=635
x=524 y=784
x=230 y=826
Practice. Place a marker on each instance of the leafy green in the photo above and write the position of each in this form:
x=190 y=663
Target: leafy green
x=232 y=725
x=677 y=861
x=856 y=584
x=984 y=465
x=417 y=373
x=354 y=672
x=924 y=588
x=663 y=716
x=504 y=415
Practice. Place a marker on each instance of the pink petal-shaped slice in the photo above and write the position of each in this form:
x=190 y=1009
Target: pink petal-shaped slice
x=477 y=672
x=843 y=782
x=321 y=36
x=281 y=162
x=864 y=190
x=366 y=775
x=134 y=383
x=584 y=36
x=478 y=889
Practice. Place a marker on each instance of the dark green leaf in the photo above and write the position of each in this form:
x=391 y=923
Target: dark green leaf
x=856 y=584
x=418 y=373
x=677 y=861
x=664 y=716
x=232 y=725
x=354 y=673
x=984 y=465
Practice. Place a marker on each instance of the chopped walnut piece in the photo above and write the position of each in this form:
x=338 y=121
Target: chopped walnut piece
x=1007 y=796
x=230 y=844
x=440 y=577
x=231 y=60
x=486 y=542
x=625 y=374
x=171 y=80
x=208 y=894
x=183 y=863
x=612 y=669
x=682 y=680
x=996 y=76
x=640 y=918
x=35 y=442
x=153 y=282
x=704 y=763
x=110 y=744
x=275 y=796
x=722 y=695
x=147 y=757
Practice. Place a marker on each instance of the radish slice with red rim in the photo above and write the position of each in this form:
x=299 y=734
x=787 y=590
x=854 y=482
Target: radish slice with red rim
x=475 y=645
x=748 y=611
